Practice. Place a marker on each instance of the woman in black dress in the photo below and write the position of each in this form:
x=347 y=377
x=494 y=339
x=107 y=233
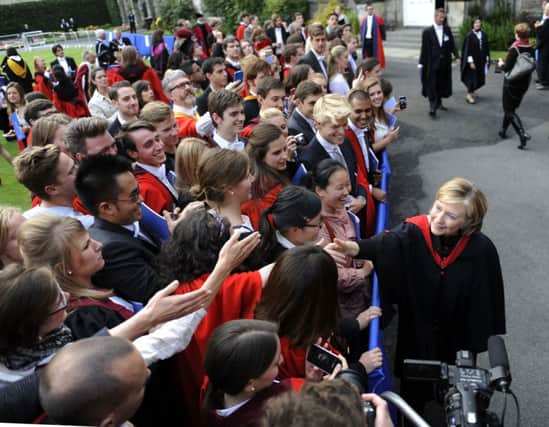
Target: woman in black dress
x=514 y=91
x=475 y=55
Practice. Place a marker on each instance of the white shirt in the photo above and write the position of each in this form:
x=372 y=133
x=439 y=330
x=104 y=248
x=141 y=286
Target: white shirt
x=101 y=106
x=439 y=30
x=361 y=141
x=63 y=62
x=86 y=220
x=279 y=39
x=236 y=145
x=333 y=150
x=352 y=63
x=170 y=338
x=283 y=241
x=338 y=84
x=160 y=173
x=320 y=59
x=369 y=21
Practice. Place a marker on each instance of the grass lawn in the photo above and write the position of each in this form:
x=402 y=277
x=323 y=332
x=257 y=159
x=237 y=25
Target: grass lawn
x=73 y=52
x=11 y=192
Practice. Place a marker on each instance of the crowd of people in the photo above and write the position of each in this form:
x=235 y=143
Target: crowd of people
x=200 y=223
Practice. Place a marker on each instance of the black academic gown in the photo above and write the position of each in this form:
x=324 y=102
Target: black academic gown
x=436 y=73
x=440 y=311
x=479 y=51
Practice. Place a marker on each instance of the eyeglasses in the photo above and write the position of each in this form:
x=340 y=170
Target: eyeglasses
x=319 y=225
x=181 y=85
x=61 y=305
x=133 y=197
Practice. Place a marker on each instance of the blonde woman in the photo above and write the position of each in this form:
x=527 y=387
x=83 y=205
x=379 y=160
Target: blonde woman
x=187 y=157
x=338 y=62
x=51 y=130
x=10 y=221
x=445 y=276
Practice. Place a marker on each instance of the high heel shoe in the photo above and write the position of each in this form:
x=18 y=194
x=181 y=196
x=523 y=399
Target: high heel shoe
x=523 y=140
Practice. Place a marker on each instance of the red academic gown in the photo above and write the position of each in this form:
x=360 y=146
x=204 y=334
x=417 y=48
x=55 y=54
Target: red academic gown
x=236 y=299
x=186 y=125
x=240 y=31
x=253 y=208
x=116 y=75
x=42 y=85
x=77 y=204
x=362 y=180
x=76 y=108
x=155 y=194
x=378 y=31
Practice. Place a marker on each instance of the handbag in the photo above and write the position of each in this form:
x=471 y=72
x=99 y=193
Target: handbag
x=524 y=66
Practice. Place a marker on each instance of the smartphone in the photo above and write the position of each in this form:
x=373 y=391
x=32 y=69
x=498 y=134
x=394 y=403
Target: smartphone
x=402 y=103
x=323 y=359
x=238 y=76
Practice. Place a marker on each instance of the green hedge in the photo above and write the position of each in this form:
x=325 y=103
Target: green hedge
x=46 y=15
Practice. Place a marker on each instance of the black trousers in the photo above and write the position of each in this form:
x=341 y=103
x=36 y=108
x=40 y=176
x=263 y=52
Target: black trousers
x=368 y=47
x=543 y=66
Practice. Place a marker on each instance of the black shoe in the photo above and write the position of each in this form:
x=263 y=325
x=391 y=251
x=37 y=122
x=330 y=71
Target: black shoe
x=433 y=114
x=502 y=134
x=523 y=141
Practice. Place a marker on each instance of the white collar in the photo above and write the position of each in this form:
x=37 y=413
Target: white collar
x=233 y=63
x=236 y=144
x=133 y=227
x=184 y=110
x=438 y=27
x=228 y=411
x=317 y=55
x=308 y=120
x=357 y=131
x=329 y=147
x=120 y=119
x=158 y=171
x=283 y=241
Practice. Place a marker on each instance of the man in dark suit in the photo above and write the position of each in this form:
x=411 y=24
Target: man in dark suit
x=435 y=62
x=109 y=190
x=68 y=64
x=124 y=99
x=315 y=57
x=301 y=120
x=331 y=113
x=277 y=34
x=215 y=71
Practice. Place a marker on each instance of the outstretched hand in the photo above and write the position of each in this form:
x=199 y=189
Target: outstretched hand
x=235 y=251
x=345 y=247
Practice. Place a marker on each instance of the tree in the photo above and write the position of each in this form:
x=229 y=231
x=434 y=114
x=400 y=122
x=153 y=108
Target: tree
x=172 y=10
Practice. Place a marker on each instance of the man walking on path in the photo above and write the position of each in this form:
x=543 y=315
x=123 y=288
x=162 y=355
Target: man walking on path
x=372 y=34
x=435 y=62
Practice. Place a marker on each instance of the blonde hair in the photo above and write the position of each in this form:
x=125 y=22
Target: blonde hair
x=43 y=130
x=47 y=240
x=335 y=53
x=155 y=112
x=379 y=112
x=331 y=108
x=187 y=157
x=6 y=214
x=129 y=56
x=460 y=190
x=270 y=113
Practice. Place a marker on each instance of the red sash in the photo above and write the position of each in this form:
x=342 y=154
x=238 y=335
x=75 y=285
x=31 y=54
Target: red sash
x=422 y=223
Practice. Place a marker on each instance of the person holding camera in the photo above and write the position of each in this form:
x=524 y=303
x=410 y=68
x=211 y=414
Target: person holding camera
x=515 y=89
x=445 y=276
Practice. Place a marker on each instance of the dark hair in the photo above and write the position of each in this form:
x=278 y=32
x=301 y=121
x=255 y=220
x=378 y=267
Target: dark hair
x=113 y=90
x=237 y=351
x=187 y=66
x=386 y=87
x=141 y=86
x=96 y=179
x=157 y=38
x=65 y=89
x=34 y=109
x=55 y=47
x=258 y=145
x=294 y=207
x=308 y=88
x=367 y=65
x=357 y=94
x=209 y=64
x=227 y=40
x=11 y=51
x=291 y=50
x=321 y=174
x=299 y=73
x=31 y=96
x=222 y=99
x=26 y=299
x=90 y=365
x=475 y=18
x=267 y=84
x=301 y=295
x=193 y=247
x=93 y=76
x=124 y=139
x=175 y=60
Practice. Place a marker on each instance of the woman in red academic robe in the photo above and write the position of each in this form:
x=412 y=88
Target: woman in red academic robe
x=133 y=69
x=301 y=296
x=445 y=276
x=270 y=152
x=189 y=256
x=42 y=78
x=67 y=97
